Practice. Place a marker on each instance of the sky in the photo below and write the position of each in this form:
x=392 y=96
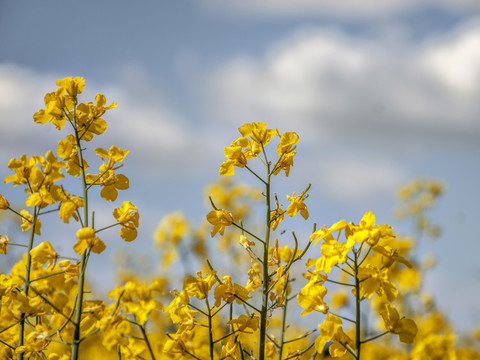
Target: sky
x=380 y=93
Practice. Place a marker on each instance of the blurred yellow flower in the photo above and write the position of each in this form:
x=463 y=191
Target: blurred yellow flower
x=3 y=244
x=219 y=219
x=406 y=329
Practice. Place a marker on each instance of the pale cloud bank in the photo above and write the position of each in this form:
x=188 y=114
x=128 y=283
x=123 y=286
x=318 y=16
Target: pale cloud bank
x=326 y=82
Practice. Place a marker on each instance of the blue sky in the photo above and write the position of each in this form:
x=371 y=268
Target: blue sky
x=379 y=92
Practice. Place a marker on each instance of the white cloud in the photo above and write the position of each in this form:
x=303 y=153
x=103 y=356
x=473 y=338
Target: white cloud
x=357 y=179
x=341 y=9
x=331 y=83
x=455 y=60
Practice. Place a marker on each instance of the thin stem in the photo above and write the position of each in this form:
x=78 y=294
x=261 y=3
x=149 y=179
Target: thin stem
x=210 y=332
x=264 y=312
x=248 y=232
x=144 y=333
x=254 y=173
x=358 y=341
x=300 y=337
x=54 y=307
x=84 y=259
x=26 y=285
x=375 y=337
x=107 y=227
x=300 y=352
x=47 y=276
x=15 y=244
x=342 y=317
x=284 y=317
x=12 y=325
x=17 y=213
x=340 y=283
x=48 y=212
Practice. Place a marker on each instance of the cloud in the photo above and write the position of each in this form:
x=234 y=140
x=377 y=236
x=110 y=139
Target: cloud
x=357 y=179
x=340 y=9
x=330 y=83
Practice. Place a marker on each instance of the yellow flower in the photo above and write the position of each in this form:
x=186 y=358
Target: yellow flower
x=87 y=239
x=284 y=163
x=199 y=286
x=27 y=219
x=40 y=199
x=4 y=204
x=220 y=219
x=67 y=150
x=324 y=232
x=113 y=155
x=259 y=134
x=73 y=86
x=44 y=253
x=35 y=342
x=175 y=344
x=69 y=206
x=24 y=167
x=89 y=121
x=333 y=253
x=368 y=231
x=276 y=217
x=406 y=329
x=286 y=152
x=331 y=330
x=230 y=292
x=287 y=142
x=377 y=281
x=70 y=270
x=171 y=229
x=231 y=350
x=235 y=157
x=245 y=322
x=296 y=205
x=310 y=298
x=3 y=244
x=56 y=104
x=389 y=256
x=185 y=317
x=254 y=277
x=128 y=217
x=110 y=181
x=247 y=246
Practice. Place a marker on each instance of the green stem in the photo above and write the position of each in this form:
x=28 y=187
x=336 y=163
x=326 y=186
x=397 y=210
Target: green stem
x=26 y=285
x=210 y=333
x=284 y=320
x=144 y=333
x=375 y=337
x=358 y=341
x=264 y=311
x=83 y=261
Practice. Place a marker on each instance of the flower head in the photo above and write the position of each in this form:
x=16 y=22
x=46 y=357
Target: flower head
x=87 y=239
x=220 y=219
x=128 y=217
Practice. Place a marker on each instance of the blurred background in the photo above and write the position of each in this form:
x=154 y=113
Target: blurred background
x=380 y=93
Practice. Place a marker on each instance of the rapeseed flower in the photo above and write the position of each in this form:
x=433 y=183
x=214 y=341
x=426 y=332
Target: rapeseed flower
x=219 y=219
